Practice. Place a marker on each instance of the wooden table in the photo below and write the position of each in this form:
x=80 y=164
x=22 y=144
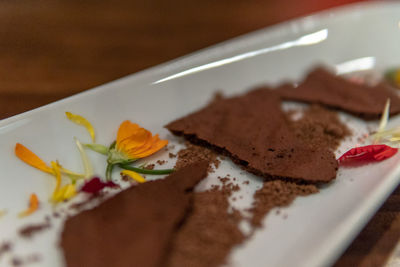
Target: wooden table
x=50 y=49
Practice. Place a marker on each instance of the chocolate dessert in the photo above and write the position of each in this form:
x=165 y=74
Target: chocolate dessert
x=254 y=132
x=133 y=228
x=323 y=87
x=208 y=234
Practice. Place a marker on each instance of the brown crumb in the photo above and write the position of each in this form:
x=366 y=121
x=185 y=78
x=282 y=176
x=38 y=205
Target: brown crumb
x=5 y=247
x=18 y=261
x=126 y=178
x=30 y=230
x=276 y=194
x=246 y=182
x=161 y=162
x=193 y=153
x=149 y=167
x=171 y=155
x=223 y=180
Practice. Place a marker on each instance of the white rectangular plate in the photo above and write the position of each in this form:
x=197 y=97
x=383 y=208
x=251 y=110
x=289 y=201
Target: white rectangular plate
x=318 y=227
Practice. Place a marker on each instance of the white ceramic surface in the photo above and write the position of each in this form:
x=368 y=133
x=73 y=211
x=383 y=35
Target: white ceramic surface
x=317 y=228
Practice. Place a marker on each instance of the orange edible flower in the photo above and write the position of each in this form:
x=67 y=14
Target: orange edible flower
x=30 y=158
x=135 y=142
x=33 y=206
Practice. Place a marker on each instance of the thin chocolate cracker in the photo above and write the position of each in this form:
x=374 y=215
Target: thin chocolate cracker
x=135 y=227
x=254 y=132
x=323 y=87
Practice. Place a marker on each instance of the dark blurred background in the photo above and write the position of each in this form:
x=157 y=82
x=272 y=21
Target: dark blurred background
x=50 y=49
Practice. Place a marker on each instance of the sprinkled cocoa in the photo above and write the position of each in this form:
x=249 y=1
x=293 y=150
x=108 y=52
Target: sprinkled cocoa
x=276 y=194
x=320 y=127
x=208 y=234
x=193 y=153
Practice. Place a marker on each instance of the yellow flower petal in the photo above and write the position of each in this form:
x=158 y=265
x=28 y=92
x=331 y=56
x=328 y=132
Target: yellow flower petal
x=83 y=122
x=66 y=192
x=134 y=175
x=30 y=158
x=33 y=206
x=70 y=191
x=57 y=174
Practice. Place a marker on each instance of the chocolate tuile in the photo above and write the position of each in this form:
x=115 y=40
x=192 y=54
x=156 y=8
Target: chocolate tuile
x=254 y=132
x=134 y=227
x=323 y=87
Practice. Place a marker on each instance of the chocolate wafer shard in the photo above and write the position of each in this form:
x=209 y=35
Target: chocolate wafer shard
x=135 y=227
x=253 y=131
x=323 y=87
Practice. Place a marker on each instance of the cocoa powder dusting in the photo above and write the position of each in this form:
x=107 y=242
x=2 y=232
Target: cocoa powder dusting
x=193 y=153
x=208 y=234
x=276 y=194
x=320 y=127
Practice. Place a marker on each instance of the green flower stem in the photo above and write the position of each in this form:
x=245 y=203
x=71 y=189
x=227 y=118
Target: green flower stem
x=113 y=144
x=145 y=171
x=109 y=170
x=98 y=148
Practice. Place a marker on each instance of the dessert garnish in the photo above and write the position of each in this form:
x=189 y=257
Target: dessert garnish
x=33 y=206
x=367 y=154
x=133 y=142
x=60 y=192
x=82 y=121
x=94 y=185
x=134 y=175
x=376 y=151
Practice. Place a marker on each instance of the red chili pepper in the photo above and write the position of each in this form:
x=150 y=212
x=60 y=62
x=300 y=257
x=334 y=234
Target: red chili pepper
x=367 y=154
x=95 y=185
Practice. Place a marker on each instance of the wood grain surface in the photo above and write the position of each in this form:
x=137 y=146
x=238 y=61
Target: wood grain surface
x=50 y=49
